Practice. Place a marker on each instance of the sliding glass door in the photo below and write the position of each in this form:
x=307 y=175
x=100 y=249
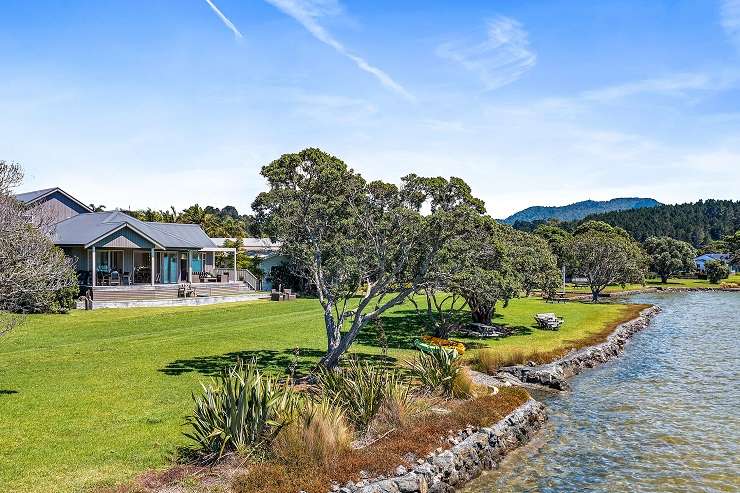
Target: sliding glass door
x=168 y=267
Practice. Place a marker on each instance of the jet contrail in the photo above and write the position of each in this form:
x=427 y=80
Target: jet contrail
x=225 y=19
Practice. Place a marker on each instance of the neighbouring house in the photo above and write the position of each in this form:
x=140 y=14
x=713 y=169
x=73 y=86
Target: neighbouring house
x=114 y=250
x=722 y=257
x=266 y=250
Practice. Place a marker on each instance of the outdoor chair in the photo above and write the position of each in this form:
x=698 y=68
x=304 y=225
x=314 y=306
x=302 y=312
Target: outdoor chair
x=115 y=278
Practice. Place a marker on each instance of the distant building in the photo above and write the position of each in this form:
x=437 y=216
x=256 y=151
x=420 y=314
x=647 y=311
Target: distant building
x=722 y=257
x=266 y=250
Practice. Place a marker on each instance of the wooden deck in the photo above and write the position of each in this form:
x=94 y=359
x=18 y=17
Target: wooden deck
x=147 y=292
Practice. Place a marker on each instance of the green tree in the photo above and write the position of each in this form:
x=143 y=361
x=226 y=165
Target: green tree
x=348 y=236
x=716 y=270
x=557 y=238
x=733 y=246
x=669 y=257
x=534 y=263
x=606 y=255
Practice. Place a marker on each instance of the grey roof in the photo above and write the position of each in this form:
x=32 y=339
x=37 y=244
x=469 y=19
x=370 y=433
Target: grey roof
x=84 y=229
x=31 y=196
x=252 y=243
x=724 y=257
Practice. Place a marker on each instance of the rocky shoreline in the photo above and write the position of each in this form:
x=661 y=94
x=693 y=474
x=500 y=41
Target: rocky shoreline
x=473 y=452
x=554 y=375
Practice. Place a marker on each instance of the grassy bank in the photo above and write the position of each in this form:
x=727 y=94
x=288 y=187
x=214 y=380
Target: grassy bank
x=655 y=283
x=93 y=398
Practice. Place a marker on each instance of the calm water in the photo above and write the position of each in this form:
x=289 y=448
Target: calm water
x=663 y=417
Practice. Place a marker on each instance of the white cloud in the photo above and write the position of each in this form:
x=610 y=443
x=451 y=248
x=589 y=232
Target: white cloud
x=308 y=13
x=499 y=60
x=730 y=18
x=225 y=19
x=675 y=84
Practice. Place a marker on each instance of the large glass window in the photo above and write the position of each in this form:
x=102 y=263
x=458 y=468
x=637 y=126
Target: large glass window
x=109 y=260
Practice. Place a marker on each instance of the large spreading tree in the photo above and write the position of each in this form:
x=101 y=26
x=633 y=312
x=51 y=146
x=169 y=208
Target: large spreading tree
x=365 y=246
x=605 y=255
x=669 y=257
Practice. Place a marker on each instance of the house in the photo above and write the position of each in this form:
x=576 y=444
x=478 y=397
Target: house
x=722 y=257
x=266 y=250
x=115 y=250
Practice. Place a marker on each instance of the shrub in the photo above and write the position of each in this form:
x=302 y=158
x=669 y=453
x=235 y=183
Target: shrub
x=463 y=386
x=238 y=411
x=489 y=360
x=360 y=389
x=435 y=372
x=716 y=271
x=319 y=433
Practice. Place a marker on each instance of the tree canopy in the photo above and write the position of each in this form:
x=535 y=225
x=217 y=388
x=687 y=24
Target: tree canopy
x=669 y=257
x=606 y=255
x=350 y=236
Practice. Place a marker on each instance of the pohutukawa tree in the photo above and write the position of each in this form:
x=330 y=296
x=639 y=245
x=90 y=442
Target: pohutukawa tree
x=669 y=257
x=365 y=246
x=473 y=270
x=606 y=255
x=35 y=275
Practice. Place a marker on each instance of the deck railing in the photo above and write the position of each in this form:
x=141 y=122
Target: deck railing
x=242 y=275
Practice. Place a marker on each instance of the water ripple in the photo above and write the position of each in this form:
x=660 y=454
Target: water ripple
x=665 y=417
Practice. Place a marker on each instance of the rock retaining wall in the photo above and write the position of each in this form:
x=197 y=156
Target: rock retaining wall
x=554 y=374
x=474 y=451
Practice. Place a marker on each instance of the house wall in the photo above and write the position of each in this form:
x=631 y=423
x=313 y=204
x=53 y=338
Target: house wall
x=79 y=255
x=56 y=207
x=266 y=265
x=124 y=238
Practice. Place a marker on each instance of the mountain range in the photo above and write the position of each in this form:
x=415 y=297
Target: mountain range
x=579 y=210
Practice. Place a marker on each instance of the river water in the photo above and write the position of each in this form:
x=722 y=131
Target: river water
x=663 y=417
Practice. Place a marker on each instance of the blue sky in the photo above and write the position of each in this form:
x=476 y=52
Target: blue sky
x=138 y=104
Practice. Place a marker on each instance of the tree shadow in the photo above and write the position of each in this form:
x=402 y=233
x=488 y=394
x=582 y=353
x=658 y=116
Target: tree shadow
x=298 y=361
x=7 y=392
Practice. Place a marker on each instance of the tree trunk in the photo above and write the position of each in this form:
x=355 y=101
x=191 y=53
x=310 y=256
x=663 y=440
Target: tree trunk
x=594 y=296
x=664 y=279
x=481 y=314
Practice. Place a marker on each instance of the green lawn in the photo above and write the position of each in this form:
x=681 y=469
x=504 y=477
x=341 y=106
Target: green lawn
x=93 y=398
x=672 y=283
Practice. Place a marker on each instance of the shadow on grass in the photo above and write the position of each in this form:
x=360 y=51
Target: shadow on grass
x=300 y=361
x=401 y=328
x=7 y=392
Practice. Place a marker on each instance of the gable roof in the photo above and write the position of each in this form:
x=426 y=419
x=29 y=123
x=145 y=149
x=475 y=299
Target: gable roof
x=87 y=229
x=36 y=195
x=724 y=257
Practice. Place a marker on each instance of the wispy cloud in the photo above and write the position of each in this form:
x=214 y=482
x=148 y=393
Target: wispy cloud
x=730 y=18
x=225 y=19
x=308 y=13
x=671 y=85
x=500 y=59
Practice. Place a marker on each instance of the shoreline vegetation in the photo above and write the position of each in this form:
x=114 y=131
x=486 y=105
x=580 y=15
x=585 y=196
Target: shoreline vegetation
x=132 y=422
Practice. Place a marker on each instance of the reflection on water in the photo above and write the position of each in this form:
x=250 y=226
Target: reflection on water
x=665 y=416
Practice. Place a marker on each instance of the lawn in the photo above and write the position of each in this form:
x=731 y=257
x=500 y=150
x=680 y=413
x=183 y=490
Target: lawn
x=93 y=398
x=672 y=283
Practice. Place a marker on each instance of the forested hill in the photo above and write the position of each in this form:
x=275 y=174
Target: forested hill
x=697 y=223
x=579 y=210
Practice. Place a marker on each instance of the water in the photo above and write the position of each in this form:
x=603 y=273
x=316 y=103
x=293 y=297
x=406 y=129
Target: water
x=663 y=417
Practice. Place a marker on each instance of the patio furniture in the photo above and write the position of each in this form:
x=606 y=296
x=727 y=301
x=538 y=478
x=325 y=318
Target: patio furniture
x=482 y=330
x=185 y=291
x=126 y=279
x=115 y=278
x=548 y=321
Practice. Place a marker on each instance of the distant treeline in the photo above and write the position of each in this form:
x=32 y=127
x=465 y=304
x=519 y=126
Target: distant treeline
x=217 y=223
x=698 y=223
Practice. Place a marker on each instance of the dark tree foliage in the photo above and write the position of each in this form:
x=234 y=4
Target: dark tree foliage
x=217 y=223
x=697 y=223
x=716 y=270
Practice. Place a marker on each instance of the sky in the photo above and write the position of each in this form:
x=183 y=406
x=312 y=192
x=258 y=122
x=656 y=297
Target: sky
x=136 y=104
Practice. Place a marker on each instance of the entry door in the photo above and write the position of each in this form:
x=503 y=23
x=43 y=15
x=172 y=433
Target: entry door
x=170 y=271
